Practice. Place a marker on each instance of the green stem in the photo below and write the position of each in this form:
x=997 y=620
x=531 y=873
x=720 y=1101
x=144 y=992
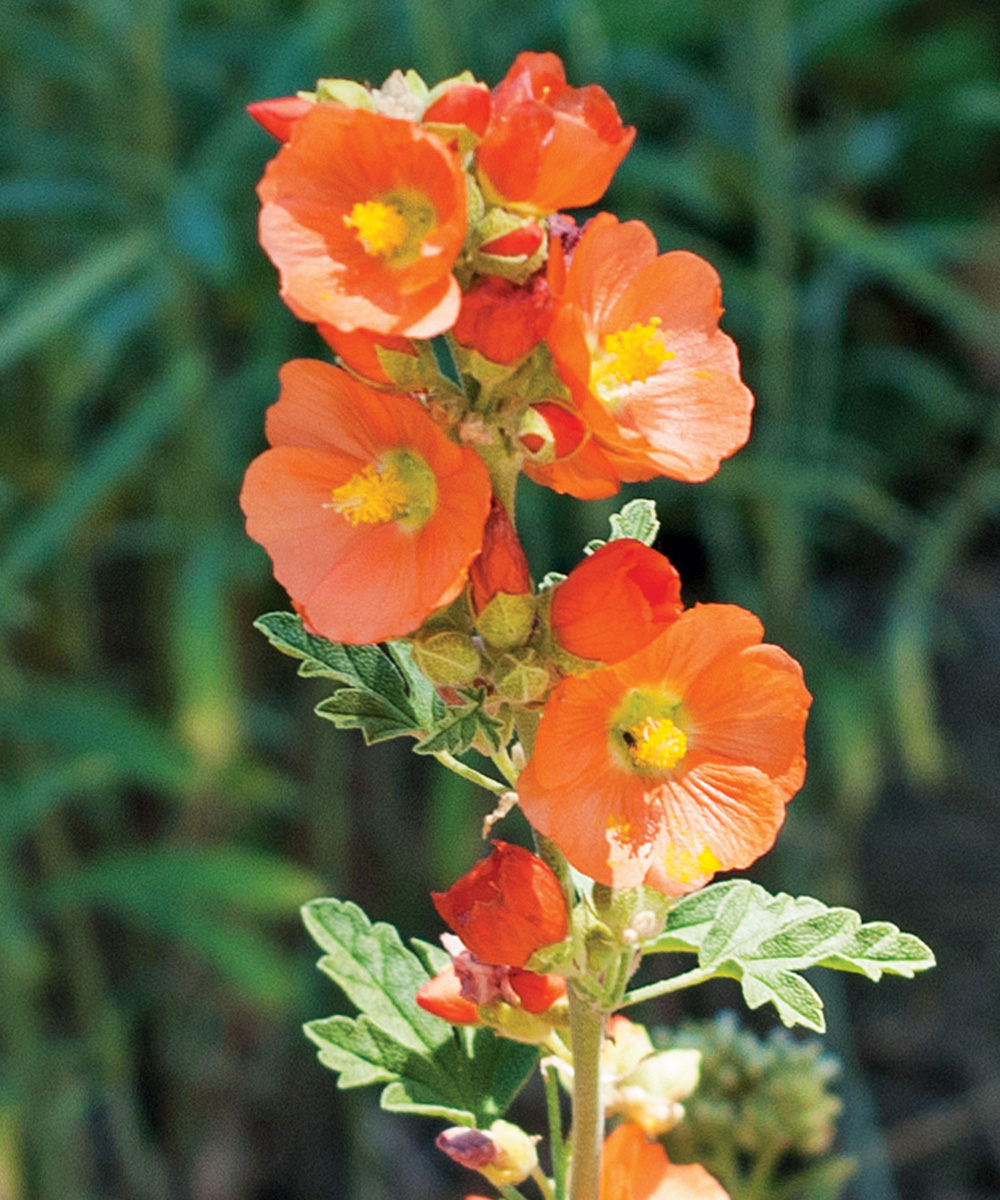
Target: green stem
x=587 y=1033
x=558 y=1146
x=471 y=774
x=675 y=984
x=542 y=1184
x=511 y=1193
x=506 y=766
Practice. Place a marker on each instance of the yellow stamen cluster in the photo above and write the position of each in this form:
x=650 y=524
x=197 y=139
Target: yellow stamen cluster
x=372 y=497
x=655 y=744
x=635 y=352
x=381 y=228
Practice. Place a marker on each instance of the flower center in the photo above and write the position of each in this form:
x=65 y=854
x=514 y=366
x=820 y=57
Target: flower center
x=381 y=228
x=400 y=488
x=655 y=743
x=628 y=356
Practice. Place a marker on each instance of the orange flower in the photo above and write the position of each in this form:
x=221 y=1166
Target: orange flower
x=637 y=339
x=616 y=601
x=507 y=907
x=675 y=763
x=548 y=145
x=364 y=215
x=633 y=1168
x=370 y=514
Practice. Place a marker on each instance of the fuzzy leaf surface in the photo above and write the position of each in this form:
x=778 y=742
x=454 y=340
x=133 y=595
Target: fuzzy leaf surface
x=740 y=931
x=468 y=1076
x=379 y=696
x=461 y=727
x=637 y=519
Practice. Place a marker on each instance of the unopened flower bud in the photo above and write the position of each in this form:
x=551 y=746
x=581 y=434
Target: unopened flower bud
x=510 y=246
x=279 y=116
x=501 y=565
x=459 y=103
x=505 y=1154
x=508 y=620
x=472 y=1148
x=522 y=678
x=548 y=432
x=503 y=319
x=447 y=657
x=644 y=1085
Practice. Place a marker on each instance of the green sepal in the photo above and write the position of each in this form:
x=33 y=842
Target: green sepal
x=740 y=931
x=463 y=1075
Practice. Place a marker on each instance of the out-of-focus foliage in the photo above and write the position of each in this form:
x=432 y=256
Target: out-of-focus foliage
x=165 y=799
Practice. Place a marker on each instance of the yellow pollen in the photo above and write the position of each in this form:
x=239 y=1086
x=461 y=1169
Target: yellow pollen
x=635 y=352
x=684 y=865
x=372 y=497
x=381 y=228
x=655 y=743
x=618 y=827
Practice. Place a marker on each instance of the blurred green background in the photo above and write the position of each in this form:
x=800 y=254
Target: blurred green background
x=166 y=798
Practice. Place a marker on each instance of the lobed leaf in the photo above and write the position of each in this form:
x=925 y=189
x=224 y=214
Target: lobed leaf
x=461 y=727
x=378 y=696
x=468 y=1076
x=740 y=931
x=637 y=519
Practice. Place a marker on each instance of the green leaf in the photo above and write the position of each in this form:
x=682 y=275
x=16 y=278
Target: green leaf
x=462 y=1075
x=353 y=708
x=379 y=697
x=461 y=727
x=740 y=931
x=637 y=519
x=426 y=703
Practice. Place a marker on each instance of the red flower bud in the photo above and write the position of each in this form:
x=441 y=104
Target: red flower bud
x=467 y=104
x=519 y=243
x=549 y=431
x=501 y=565
x=442 y=997
x=278 y=116
x=472 y=1148
x=505 y=908
x=537 y=993
x=616 y=601
x=502 y=320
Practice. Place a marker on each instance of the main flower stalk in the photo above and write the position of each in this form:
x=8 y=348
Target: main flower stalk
x=586 y=1023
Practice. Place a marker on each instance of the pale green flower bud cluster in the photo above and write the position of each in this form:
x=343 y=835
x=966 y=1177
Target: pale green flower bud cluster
x=758 y=1095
